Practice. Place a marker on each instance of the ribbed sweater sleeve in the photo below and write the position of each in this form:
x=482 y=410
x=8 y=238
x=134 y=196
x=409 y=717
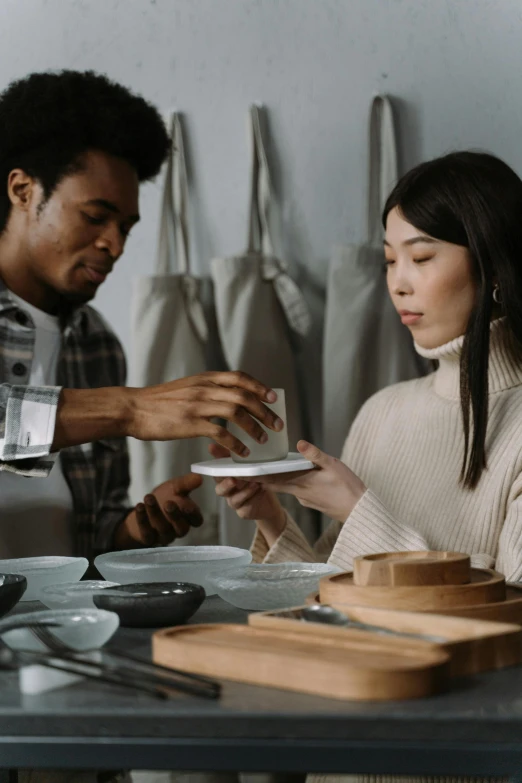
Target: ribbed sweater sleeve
x=509 y=555
x=290 y=547
x=369 y=529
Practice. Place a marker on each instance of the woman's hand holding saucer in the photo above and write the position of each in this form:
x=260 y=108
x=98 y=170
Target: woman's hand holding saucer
x=332 y=488
x=250 y=500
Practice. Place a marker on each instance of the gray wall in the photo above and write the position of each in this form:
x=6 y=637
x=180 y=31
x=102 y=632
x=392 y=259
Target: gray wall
x=454 y=65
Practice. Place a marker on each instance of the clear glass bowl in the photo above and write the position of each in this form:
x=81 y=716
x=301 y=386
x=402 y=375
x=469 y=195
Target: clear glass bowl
x=80 y=629
x=43 y=571
x=171 y=564
x=269 y=586
x=73 y=595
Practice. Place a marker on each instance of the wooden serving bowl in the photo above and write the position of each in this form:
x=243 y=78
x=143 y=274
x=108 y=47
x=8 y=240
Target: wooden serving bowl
x=411 y=569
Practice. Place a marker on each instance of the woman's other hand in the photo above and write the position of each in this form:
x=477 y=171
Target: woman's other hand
x=331 y=488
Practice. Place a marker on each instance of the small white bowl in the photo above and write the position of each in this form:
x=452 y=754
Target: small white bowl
x=43 y=571
x=73 y=595
x=269 y=586
x=170 y=564
x=80 y=629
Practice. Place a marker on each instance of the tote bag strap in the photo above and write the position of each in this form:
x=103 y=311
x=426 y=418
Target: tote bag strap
x=382 y=164
x=173 y=243
x=260 y=235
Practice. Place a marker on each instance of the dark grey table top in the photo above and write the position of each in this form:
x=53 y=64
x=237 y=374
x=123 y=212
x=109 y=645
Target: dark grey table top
x=476 y=727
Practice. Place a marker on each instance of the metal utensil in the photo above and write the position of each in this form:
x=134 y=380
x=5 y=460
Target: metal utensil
x=323 y=613
x=15 y=659
x=141 y=669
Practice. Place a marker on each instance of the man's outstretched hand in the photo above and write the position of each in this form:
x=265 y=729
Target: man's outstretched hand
x=166 y=513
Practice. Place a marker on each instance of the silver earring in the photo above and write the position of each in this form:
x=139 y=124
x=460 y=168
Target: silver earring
x=496 y=294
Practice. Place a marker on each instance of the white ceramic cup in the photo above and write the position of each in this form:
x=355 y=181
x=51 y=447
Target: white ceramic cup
x=276 y=446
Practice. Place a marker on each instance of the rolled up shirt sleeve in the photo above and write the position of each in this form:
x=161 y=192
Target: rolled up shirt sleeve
x=27 y=422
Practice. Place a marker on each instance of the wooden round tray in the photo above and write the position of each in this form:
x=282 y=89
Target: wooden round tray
x=508 y=611
x=408 y=569
x=485 y=587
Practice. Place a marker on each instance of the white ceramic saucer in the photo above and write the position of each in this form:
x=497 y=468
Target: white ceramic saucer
x=227 y=467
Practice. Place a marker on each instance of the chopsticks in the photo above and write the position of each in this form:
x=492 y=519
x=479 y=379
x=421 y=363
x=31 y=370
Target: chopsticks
x=89 y=669
x=141 y=674
x=172 y=675
x=160 y=681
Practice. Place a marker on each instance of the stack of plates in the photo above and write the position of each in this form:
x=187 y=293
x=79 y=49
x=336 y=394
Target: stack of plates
x=440 y=582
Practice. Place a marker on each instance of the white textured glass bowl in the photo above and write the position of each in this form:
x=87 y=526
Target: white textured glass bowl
x=73 y=595
x=80 y=629
x=43 y=571
x=269 y=586
x=171 y=564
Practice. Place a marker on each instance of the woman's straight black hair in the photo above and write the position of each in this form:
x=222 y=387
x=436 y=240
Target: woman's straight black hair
x=473 y=199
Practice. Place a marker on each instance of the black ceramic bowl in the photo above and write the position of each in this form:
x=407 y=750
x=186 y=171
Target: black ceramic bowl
x=12 y=588
x=151 y=604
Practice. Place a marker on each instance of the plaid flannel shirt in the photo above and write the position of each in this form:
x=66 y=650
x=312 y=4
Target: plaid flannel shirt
x=97 y=473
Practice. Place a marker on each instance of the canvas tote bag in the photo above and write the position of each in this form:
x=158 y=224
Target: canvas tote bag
x=261 y=313
x=366 y=347
x=169 y=332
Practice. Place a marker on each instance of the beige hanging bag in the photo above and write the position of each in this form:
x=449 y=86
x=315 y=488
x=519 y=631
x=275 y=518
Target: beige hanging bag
x=169 y=335
x=261 y=314
x=366 y=347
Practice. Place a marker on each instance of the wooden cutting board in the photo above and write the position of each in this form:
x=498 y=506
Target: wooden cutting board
x=485 y=586
x=322 y=665
x=473 y=645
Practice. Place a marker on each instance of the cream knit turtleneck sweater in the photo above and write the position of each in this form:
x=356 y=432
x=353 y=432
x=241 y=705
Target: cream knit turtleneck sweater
x=407 y=445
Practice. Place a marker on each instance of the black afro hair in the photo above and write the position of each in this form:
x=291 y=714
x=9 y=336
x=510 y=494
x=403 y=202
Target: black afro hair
x=49 y=120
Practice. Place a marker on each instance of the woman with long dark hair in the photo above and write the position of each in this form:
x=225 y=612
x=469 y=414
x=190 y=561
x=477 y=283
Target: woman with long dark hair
x=436 y=462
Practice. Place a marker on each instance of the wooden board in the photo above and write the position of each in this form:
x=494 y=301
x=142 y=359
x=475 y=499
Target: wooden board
x=401 y=569
x=473 y=645
x=293 y=661
x=507 y=611
x=485 y=586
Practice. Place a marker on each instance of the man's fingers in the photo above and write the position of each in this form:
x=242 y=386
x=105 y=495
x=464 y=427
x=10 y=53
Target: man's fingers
x=158 y=520
x=148 y=535
x=233 y=412
x=218 y=452
x=243 y=381
x=219 y=434
x=177 y=519
x=184 y=511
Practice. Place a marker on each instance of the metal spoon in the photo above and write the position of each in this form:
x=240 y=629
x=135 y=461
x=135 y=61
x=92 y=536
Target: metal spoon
x=322 y=613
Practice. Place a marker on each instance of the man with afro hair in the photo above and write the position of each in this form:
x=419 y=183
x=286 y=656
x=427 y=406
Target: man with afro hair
x=74 y=148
